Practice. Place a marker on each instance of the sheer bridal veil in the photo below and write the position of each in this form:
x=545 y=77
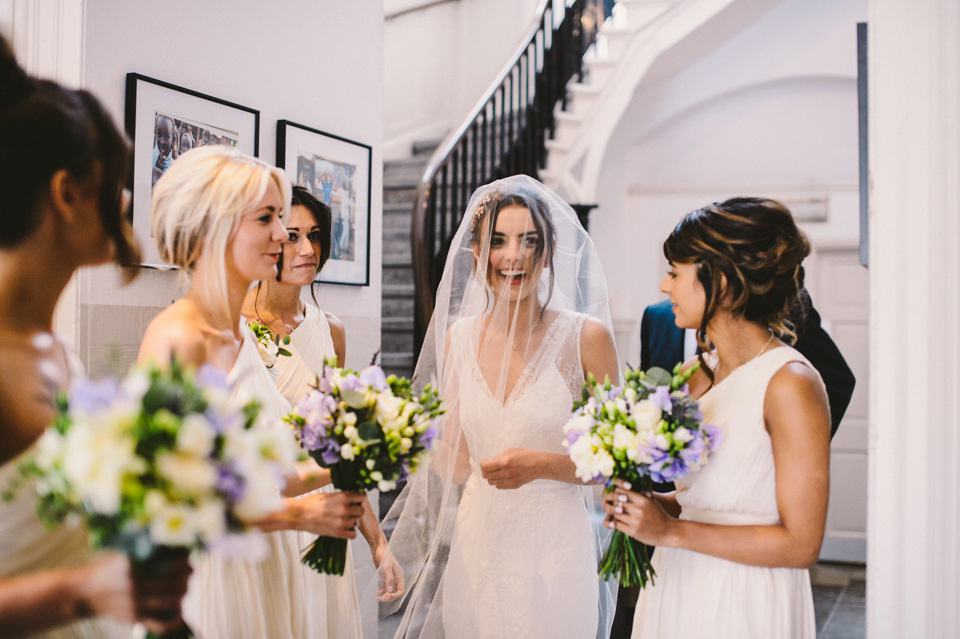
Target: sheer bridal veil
x=521 y=279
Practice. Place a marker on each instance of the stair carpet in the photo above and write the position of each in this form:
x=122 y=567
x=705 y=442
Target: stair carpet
x=400 y=179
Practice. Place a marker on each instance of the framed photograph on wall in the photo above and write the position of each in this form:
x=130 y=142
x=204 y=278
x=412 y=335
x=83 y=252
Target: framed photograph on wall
x=165 y=120
x=337 y=171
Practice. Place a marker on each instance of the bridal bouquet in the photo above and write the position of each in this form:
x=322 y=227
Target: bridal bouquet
x=648 y=430
x=159 y=464
x=369 y=430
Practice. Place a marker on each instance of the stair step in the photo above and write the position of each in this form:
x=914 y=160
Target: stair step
x=402 y=194
x=396 y=323
x=403 y=172
x=398 y=274
x=425 y=147
x=396 y=306
x=397 y=342
x=398 y=290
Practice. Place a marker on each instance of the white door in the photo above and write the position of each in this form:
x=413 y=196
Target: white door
x=839 y=286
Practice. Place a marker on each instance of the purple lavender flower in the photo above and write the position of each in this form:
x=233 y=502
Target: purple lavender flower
x=91 y=396
x=229 y=483
x=350 y=383
x=661 y=397
x=330 y=453
x=209 y=376
x=714 y=434
x=428 y=436
x=373 y=377
x=222 y=420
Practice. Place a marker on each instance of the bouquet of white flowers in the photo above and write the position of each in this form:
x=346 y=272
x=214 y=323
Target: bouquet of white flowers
x=160 y=463
x=648 y=430
x=369 y=430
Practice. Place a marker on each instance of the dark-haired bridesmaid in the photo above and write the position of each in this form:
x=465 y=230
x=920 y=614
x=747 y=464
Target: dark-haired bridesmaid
x=314 y=336
x=62 y=170
x=735 y=540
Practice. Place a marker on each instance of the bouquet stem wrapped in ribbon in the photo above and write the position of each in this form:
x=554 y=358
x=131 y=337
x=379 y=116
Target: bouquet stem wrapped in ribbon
x=160 y=464
x=648 y=430
x=370 y=430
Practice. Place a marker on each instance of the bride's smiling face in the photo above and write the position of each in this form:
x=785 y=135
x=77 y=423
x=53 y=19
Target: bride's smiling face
x=513 y=246
x=686 y=293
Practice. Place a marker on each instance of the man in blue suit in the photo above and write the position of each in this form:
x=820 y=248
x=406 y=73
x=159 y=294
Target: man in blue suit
x=664 y=344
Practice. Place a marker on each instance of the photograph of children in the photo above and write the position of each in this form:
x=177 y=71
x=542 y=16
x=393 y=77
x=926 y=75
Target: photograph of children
x=173 y=136
x=334 y=183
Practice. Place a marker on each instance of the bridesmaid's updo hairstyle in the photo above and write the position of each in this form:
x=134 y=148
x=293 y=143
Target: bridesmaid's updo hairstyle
x=756 y=245
x=488 y=209
x=197 y=204
x=322 y=217
x=45 y=128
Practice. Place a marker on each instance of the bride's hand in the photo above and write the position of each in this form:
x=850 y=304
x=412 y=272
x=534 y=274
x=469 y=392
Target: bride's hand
x=390 y=574
x=637 y=515
x=512 y=468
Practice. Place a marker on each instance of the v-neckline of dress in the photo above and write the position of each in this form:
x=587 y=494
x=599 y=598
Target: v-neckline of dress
x=510 y=397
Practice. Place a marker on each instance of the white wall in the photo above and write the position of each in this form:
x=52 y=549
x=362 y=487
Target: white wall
x=756 y=102
x=315 y=63
x=438 y=61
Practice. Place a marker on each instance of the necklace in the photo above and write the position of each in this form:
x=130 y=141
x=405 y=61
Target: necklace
x=759 y=353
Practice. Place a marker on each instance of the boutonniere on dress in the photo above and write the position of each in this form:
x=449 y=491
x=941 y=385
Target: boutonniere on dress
x=268 y=343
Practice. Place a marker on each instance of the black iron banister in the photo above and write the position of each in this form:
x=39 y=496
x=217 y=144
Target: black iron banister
x=503 y=134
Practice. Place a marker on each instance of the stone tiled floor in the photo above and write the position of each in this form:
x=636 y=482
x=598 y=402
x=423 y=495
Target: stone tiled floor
x=839 y=600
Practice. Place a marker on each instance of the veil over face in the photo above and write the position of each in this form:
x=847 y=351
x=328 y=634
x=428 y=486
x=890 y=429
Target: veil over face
x=520 y=279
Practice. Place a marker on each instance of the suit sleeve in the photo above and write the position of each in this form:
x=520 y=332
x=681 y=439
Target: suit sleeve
x=815 y=344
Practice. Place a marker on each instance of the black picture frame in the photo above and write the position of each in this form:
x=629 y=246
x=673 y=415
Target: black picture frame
x=160 y=119
x=338 y=171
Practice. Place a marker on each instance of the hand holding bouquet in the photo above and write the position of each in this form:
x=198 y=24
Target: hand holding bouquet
x=648 y=430
x=369 y=430
x=160 y=464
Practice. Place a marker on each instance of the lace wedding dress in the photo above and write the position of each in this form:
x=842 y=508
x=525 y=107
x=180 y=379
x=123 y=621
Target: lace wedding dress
x=234 y=598
x=523 y=563
x=696 y=595
x=333 y=600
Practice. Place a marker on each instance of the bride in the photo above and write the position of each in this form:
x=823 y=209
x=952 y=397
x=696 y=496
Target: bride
x=500 y=538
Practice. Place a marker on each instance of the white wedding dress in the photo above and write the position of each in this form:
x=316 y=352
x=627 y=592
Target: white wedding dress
x=522 y=563
x=233 y=598
x=697 y=595
x=333 y=599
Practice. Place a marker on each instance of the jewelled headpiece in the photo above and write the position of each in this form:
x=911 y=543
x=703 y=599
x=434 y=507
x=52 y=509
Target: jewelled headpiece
x=490 y=196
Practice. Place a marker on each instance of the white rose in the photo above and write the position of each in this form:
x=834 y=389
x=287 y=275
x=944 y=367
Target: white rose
x=262 y=493
x=682 y=435
x=646 y=415
x=386 y=486
x=192 y=475
x=625 y=440
x=196 y=436
x=174 y=525
x=268 y=352
x=347 y=452
x=351 y=432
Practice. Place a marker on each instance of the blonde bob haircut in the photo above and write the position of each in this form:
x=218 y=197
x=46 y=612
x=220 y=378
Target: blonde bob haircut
x=197 y=204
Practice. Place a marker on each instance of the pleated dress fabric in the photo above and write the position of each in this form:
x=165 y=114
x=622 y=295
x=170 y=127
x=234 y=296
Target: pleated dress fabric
x=333 y=600
x=697 y=595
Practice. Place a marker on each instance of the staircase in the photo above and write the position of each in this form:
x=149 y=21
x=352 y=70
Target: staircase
x=400 y=179
x=627 y=45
